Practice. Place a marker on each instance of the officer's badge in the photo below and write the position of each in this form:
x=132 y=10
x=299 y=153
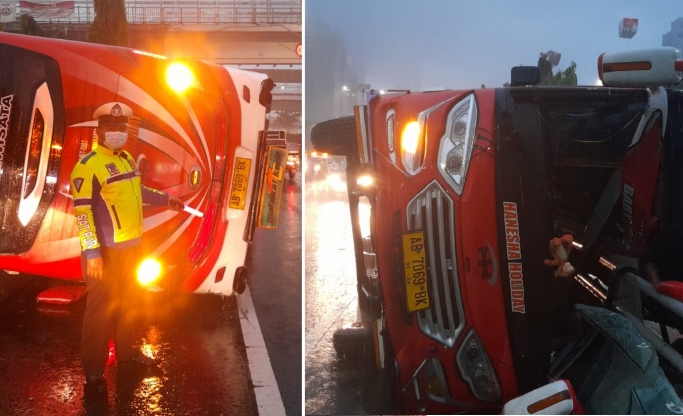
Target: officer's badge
x=113 y=170
x=78 y=183
x=116 y=111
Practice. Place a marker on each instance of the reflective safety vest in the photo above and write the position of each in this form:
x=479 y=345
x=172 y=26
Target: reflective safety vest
x=108 y=197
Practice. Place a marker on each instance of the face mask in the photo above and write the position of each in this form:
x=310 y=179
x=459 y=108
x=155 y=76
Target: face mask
x=115 y=139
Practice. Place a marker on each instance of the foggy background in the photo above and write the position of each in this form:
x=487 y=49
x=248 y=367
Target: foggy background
x=437 y=44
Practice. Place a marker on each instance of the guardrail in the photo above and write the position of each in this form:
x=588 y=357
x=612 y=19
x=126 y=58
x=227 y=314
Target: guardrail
x=262 y=12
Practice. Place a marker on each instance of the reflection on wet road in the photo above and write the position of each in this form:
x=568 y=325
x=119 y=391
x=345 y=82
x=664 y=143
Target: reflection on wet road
x=275 y=286
x=334 y=386
x=197 y=337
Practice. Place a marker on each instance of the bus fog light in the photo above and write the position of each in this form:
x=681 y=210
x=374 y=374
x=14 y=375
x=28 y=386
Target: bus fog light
x=434 y=387
x=149 y=271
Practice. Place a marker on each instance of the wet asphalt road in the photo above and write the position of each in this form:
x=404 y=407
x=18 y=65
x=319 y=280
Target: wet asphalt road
x=275 y=286
x=198 y=337
x=333 y=385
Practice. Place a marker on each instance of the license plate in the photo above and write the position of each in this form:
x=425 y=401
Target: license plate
x=415 y=271
x=240 y=183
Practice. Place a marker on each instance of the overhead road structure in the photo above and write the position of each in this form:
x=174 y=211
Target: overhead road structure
x=222 y=32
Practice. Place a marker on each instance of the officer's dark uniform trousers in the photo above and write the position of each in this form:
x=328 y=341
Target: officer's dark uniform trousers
x=113 y=302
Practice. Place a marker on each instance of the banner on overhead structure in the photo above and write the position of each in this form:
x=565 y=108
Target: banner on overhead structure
x=7 y=12
x=51 y=10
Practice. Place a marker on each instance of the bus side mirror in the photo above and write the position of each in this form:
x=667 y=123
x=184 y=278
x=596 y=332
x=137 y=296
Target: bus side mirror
x=266 y=96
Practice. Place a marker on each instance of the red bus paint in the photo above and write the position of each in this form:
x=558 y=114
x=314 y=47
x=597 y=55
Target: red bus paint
x=185 y=144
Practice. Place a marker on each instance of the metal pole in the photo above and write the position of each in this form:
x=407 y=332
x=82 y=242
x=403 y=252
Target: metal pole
x=662 y=347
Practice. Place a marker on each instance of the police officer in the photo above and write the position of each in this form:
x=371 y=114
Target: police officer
x=108 y=197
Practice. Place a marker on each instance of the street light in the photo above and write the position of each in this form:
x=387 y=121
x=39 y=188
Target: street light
x=345 y=88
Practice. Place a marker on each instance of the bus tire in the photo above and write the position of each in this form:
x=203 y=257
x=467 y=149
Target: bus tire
x=336 y=136
x=354 y=343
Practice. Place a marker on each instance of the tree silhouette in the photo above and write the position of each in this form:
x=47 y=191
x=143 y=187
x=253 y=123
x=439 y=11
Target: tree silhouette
x=285 y=120
x=110 y=26
x=30 y=27
x=566 y=77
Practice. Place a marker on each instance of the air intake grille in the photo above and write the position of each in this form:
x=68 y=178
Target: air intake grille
x=431 y=211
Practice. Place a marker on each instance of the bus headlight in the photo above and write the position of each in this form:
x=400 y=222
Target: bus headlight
x=365 y=180
x=456 y=144
x=476 y=369
x=149 y=271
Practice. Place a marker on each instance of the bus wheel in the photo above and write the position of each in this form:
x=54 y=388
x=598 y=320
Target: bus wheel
x=336 y=136
x=354 y=343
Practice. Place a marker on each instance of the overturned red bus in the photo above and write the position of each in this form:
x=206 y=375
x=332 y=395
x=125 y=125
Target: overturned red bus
x=466 y=190
x=195 y=135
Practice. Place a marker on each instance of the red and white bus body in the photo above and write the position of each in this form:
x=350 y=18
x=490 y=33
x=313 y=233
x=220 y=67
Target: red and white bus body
x=458 y=231
x=187 y=145
x=467 y=189
x=494 y=309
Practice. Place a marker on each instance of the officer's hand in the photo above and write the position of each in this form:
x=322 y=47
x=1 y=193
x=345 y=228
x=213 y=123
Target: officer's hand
x=94 y=268
x=175 y=204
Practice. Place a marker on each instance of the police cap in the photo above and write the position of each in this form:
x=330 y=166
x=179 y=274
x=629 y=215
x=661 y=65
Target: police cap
x=113 y=112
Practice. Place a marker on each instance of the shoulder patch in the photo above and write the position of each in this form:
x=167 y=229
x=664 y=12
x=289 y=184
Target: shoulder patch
x=113 y=170
x=78 y=183
x=87 y=157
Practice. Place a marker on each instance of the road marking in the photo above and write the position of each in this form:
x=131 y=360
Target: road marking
x=266 y=390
